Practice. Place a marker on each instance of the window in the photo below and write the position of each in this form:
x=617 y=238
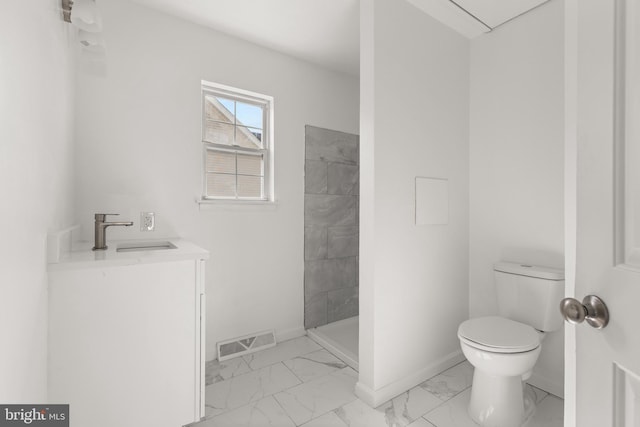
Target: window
x=237 y=139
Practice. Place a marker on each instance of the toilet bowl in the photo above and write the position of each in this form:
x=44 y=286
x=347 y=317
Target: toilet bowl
x=503 y=352
x=504 y=349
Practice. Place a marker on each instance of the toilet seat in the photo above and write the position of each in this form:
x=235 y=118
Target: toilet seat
x=498 y=335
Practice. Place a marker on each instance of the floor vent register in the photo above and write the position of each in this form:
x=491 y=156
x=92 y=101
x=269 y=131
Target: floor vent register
x=245 y=345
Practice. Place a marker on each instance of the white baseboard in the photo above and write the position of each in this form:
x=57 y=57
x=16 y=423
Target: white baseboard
x=377 y=397
x=290 y=334
x=550 y=386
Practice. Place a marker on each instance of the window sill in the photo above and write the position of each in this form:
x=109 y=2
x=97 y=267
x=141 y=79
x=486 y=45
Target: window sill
x=247 y=205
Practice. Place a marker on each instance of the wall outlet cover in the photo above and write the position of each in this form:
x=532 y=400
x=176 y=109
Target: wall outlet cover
x=147 y=221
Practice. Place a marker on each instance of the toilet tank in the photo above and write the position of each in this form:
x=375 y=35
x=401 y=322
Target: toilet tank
x=530 y=294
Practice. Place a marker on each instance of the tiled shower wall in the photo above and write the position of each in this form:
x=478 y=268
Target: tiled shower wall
x=331 y=205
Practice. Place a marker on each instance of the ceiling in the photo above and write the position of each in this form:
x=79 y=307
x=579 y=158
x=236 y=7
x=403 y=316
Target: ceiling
x=473 y=18
x=494 y=13
x=326 y=32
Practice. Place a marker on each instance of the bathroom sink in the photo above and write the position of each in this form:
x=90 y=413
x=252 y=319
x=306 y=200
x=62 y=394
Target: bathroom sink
x=145 y=246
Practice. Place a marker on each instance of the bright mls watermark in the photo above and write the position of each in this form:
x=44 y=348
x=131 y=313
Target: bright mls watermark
x=34 y=415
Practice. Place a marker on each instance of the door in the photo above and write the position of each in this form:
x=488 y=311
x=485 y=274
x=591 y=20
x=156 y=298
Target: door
x=603 y=209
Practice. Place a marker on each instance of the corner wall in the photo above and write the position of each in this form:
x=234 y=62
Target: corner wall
x=414 y=122
x=516 y=166
x=140 y=149
x=36 y=166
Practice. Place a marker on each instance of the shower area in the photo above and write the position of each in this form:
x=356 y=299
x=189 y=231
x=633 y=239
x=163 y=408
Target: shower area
x=331 y=205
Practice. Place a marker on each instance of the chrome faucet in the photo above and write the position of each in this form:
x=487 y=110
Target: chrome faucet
x=100 y=229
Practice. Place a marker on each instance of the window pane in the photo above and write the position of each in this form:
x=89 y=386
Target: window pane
x=249 y=115
x=219 y=185
x=235 y=145
x=257 y=133
x=219 y=109
x=249 y=137
x=221 y=161
x=219 y=133
x=250 y=186
x=249 y=164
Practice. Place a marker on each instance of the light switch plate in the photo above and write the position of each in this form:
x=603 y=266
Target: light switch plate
x=147 y=221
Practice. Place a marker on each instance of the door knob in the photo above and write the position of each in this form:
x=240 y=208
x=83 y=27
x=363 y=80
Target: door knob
x=592 y=309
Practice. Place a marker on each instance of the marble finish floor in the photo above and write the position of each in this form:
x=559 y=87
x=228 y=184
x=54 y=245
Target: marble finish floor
x=298 y=383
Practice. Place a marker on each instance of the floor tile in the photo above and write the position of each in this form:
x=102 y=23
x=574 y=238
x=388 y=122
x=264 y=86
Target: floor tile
x=359 y=414
x=262 y=413
x=298 y=383
x=549 y=413
x=220 y=371
x=539 y=394
x=398 y=412
x=421 y=422
x=243 y=389
x=313 y=365
x=317 y=397
x=411 y=405
x=283 y=351
x=450 y=382
x=452 y=413
x=330 y=419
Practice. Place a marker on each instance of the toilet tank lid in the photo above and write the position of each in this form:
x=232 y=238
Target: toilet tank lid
x=529 y=270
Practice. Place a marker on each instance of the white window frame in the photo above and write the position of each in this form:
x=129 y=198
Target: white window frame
x=245 y=96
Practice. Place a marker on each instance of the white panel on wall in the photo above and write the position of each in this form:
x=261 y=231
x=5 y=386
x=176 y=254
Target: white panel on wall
x=432 y=201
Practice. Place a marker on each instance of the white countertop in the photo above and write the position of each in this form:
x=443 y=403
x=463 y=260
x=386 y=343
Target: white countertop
x=81 y=256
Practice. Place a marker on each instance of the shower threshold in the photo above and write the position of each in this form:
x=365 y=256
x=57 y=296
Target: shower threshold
x=340 y=339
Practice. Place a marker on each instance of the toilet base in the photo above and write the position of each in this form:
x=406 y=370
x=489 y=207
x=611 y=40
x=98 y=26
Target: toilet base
x=499 y=401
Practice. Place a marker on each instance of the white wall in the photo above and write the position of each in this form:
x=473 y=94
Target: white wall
x=415 y=121
x=36 y=153
x=139 y=149
x=516 y=171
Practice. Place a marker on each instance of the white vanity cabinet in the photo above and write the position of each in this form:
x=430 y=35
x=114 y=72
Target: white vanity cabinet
x=126 y=337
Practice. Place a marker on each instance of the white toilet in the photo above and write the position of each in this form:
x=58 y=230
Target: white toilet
x=503 y=349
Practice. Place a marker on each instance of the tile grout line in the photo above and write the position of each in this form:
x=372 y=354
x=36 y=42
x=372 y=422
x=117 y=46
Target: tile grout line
x=424 y=416
x=302 y=355
x=331 y=411
x=280 y=361
x=294 y=374
x=259 y=388
x=534 y=388
x=284 y=411
x=443 y=402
